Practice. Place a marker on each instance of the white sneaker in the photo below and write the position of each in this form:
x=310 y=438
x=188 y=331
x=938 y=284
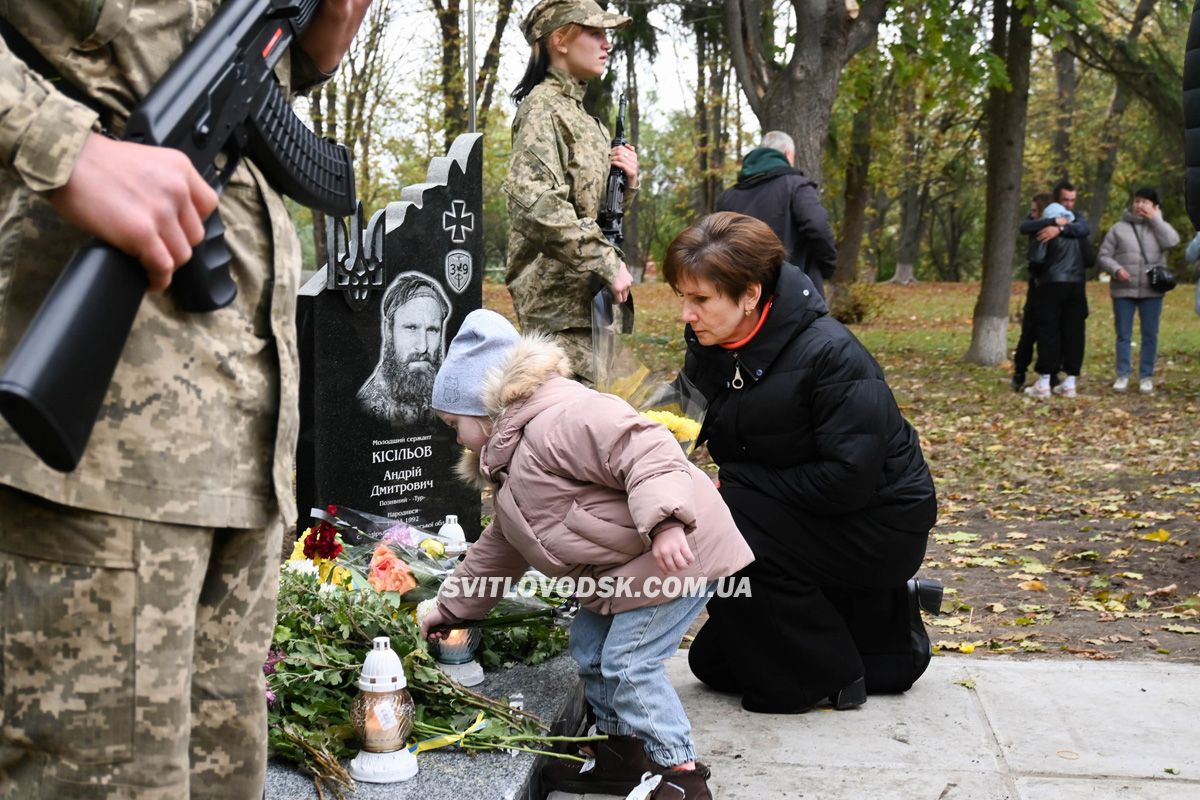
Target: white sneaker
x=1146 y=386
x=1065 y=389
x=1121 y=384
x=1038 y=390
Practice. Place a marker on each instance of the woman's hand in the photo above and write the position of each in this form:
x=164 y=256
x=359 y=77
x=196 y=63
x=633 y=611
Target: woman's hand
x=625 y=157
x=435 y=618
x=1121 y=275
x=620 y=286
x=671 y=551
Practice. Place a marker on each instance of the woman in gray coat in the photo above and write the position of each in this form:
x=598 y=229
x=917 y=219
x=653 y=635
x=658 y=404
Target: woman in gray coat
x=1131 y=247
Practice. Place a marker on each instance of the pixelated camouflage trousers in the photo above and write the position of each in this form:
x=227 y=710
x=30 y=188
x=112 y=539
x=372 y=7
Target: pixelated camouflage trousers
x=132 y=655
x=577 y=344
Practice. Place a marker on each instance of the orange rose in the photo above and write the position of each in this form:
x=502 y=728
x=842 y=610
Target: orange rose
x=389 y=573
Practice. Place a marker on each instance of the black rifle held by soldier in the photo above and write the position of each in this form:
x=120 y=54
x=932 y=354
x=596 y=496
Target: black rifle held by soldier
x=611 y=222
x=219 y=102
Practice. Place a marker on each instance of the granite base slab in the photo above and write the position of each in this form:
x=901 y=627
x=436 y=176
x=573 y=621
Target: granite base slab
x=552 y=691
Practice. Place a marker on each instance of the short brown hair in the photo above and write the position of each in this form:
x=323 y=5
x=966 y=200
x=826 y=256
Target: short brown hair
x=730 y=251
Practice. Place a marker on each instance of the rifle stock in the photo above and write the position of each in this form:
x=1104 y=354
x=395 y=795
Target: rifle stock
x=219 y=98
x=57 y=376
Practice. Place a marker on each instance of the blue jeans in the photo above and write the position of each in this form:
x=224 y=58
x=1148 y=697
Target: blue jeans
x=625 y=681
x=1149 y=311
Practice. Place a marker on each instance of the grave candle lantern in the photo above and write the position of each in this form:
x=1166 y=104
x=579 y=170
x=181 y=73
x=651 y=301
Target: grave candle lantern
x=382 y=715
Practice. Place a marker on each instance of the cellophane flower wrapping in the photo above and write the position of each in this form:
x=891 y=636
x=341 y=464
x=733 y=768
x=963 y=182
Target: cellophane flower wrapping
x=671 y=400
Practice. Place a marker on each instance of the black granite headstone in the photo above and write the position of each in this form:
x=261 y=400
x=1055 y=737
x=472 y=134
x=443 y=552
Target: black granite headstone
x=374 y=326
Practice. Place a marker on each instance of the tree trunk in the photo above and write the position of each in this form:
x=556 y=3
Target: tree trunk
x=868 y=269
x=632 y=244
x=454 y=114
x=854 y=220
x=1006 y=113
x=704 y=203
x=322 y=126
x=798 y=98
x=1066 y=81
x=1110 y=132
x=912 y=197
x=485 y=82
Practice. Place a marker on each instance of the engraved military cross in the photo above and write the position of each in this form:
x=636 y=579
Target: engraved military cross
x=458 y=221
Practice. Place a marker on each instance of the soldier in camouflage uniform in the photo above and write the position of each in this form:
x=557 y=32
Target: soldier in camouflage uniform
x=139 y=590
x=557 y=255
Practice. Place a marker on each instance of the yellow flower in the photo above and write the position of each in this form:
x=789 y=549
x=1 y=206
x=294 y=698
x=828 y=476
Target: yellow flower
x=298 y=550
x=330 y=572
x=683 y=428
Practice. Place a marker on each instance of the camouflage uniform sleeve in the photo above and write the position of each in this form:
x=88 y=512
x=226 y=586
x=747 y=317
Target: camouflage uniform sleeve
x=540 y=208
x=305 y=74
x=41 y=130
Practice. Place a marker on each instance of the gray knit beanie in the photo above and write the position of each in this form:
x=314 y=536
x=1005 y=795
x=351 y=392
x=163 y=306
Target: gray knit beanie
x=483 y=342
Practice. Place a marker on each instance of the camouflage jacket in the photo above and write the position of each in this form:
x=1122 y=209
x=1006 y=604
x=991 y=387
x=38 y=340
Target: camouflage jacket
x=555 y=187
x=200 y=422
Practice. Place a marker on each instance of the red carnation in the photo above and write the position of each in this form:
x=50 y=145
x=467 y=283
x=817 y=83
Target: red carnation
x=322 y=543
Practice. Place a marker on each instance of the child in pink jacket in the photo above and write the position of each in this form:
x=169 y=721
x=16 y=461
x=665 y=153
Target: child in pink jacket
x=588 y=489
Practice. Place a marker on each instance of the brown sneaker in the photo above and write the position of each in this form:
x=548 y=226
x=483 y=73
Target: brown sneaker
x=617 y=767
x=676 y=784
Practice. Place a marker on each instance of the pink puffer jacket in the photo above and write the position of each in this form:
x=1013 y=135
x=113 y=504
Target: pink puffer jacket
x=583 y=482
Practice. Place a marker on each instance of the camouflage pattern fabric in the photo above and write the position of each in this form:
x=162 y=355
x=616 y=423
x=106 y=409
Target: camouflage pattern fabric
x=104 y=618
x=550 y=15
x=138 y=591
x=200 y=422
x=557 y=256
x=577 y=344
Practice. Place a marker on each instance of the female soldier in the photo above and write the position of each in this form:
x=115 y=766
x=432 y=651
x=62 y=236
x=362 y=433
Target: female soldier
x=557 y=256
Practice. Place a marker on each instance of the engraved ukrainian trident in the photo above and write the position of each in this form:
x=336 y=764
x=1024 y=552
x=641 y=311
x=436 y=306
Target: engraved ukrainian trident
x=355 y=264
x=458 y=270
x=458 y=221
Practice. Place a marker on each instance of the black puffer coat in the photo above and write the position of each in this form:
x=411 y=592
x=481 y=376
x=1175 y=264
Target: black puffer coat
x=1067 y=254
x=814 y=424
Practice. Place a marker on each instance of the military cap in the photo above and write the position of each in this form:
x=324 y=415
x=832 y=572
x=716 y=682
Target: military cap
x=550 y=15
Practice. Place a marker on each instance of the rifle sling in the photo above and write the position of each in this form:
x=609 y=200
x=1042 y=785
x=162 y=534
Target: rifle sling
x=33 y=59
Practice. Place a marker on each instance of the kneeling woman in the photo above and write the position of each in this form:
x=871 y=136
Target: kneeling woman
x=824 y=476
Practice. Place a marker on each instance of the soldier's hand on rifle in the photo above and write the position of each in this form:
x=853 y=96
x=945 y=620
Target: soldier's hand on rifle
x=625 y=157
x=620 y=286
x=147 y=201
x=328 y=37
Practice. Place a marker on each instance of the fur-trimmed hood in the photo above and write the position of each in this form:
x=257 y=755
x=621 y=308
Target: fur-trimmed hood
x=532 y=361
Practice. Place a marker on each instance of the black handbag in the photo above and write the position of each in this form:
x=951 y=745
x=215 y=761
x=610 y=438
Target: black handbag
x=1158 y=276
x=1161 y=279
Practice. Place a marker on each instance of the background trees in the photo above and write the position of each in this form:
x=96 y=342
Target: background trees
x=929 y=123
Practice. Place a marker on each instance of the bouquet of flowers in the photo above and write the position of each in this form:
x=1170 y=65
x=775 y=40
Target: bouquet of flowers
x=673 y=401
x=354 y=576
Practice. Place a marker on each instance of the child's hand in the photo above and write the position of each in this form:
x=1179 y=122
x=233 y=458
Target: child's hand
x=431 y=620
x=671 y=551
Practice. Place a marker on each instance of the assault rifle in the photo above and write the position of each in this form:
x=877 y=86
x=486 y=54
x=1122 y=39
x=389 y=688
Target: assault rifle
x=219 y=102
x=610 y=220
x=613 y=213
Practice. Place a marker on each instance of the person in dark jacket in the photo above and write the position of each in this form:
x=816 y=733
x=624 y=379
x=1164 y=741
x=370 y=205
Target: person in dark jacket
x=1023 y=354
x=824 y=477
x=769 y=188
x=1062 y=307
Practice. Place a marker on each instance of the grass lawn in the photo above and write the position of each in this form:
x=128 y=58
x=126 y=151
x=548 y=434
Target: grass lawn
x=1067 y=527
